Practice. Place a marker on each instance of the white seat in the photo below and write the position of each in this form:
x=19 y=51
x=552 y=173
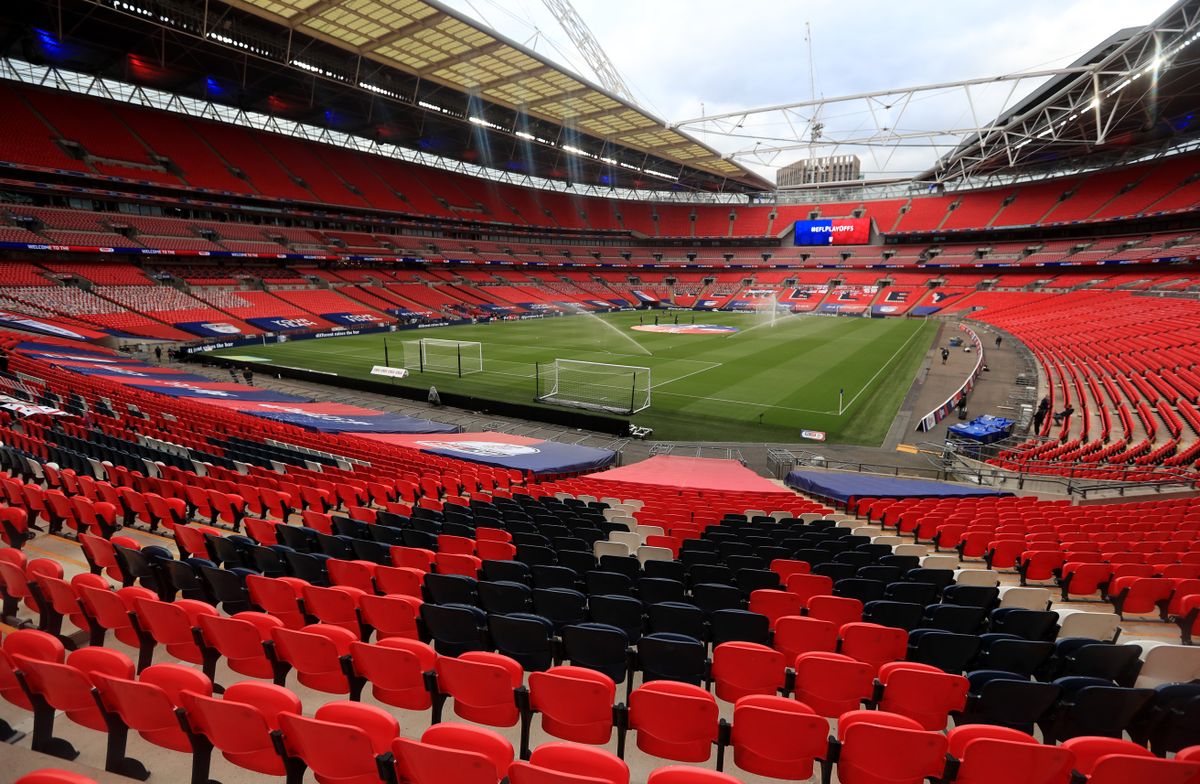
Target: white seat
x=864 y=530
x=610 y=500
x=630 y=539
x=1025 y=597
x=628 y=522
x=918 y=550
x=982 y=577
x=587 y=499
x=780 y=514
x=563 y=496
x=649 y=530
x=848 y=522
x=808 y=517
x=940 y=562
x=1093 y=625
x=755 y=513
x=648 y=553
x=893 y=541
x=1164 y=662
x=636 y=503
x=602 y=548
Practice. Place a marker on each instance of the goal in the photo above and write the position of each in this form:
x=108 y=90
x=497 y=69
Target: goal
x=431 y=355
x=620 y=389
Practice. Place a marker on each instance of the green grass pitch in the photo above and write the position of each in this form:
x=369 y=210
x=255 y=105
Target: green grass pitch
x=764 y=383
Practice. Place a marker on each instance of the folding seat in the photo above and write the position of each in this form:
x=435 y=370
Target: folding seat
x=873 y=644
x=1095 y=625
x=452 y=754
x=980 y=754
x=954 y=618
x=396 y=670
x=1029 y=598
x=807 y=586
x=401 y=580
x=1010 y=653
x=552 y=763
x=1166 y=663
x=1171 y=722
x=831 y=683
x=1115 y=761
x=921 y=692
x=674 y=657
x=624 y=612
x=391 y=616
x=685 y=774
x=1140 y=595
x=455 y=628
x=914 y=593
x=775 y=604
x=1091 y=658
x=575 y=704
x=561 y=606
x=795 y=635
x=173 y=625
x=58 y=599
x=599 y=647
x=54 y=776
x=147 y=705
x=483 y=686
x=1007 y=700
x=315 y=652
x=675 y=721
x=740 y=625
x=113 y=611
x=101 y=556
x=1084 y=579
x=356 y=574
x=860 y=589
x=1028 y=624
x=743 y=668
x=14 y=526
x=239 y=725
x=239 y=640
x=971 y=596
x=899 y=615
x=336 y=606
x=776 y=737
x=1039 y=565
x=1092 y=706
x=278 y=596
x=340 y=744
x=67 y=687
x=525 y=637
x=837 y=610
x=873 y=746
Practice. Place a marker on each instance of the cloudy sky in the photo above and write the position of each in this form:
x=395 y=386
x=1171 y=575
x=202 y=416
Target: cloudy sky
x=685 y=58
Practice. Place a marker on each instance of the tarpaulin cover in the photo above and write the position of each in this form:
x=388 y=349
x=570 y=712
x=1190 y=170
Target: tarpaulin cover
x=700 y=473
x=842 y=487
x=215 y=390
x=505 y=451
x=47 y=327
x=339 y=418
x=60 y=351
x=281 y=323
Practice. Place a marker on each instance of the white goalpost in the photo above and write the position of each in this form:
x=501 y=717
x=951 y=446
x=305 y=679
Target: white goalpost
x=432 y=355
x=619 y=389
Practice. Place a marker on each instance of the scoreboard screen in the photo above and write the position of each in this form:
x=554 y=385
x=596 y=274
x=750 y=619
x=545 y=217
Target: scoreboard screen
x=834 y=231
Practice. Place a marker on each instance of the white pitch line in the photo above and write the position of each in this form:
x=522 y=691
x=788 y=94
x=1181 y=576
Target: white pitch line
x=711 y=365
x=882 y=367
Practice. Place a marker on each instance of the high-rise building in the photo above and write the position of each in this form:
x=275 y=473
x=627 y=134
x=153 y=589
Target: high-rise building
x=814 y=171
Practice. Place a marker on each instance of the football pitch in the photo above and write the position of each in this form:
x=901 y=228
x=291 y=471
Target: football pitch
x=765 y=382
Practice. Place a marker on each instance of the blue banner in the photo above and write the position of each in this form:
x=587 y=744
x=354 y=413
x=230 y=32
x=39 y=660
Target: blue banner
x=281 y=324
x=351 y=319
x=210 y=329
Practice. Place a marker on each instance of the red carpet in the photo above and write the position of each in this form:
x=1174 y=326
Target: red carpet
x=697 y=473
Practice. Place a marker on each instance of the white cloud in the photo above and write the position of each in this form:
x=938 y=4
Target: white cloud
x=678 y=55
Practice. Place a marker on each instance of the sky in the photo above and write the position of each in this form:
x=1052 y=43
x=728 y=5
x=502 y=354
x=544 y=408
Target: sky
x=687 y=58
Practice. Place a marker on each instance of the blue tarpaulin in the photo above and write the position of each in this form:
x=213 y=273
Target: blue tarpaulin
x=843 y=487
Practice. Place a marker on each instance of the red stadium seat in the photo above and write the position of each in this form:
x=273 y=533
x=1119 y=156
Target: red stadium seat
x=341 y=742
x=777 y=737
x=675 y=721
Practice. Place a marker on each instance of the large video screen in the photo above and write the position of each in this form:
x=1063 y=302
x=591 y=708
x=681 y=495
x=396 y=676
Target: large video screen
x=834 y=231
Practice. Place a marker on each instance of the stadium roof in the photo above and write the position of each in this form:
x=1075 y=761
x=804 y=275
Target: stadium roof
x=433 y=43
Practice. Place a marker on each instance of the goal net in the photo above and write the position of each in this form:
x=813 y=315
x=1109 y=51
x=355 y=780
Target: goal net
x=620 y=389
x=431 y=355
